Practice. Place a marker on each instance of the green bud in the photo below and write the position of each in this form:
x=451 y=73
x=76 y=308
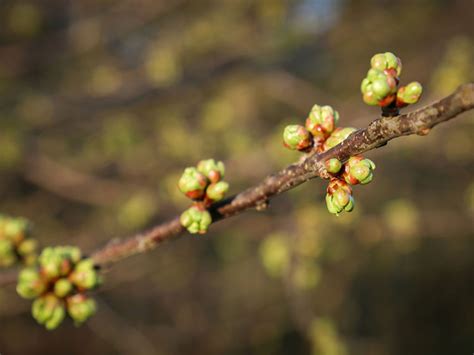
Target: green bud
x=196 y=219
x=84 y=275
x=322 y=118
x=332 y=208
x=71 y=253
x=358 y=170
x=386 y=61
x=339 y=197
x=409 y=94
x=216 y=191
x=392 y=61
x=378 y=61
x=80 y=308
x=16 y=229
x=28 y=246
x=380 y=88
x=297 y=137
x=30 y=283
x=339 y=135
x=7 y=253
x=56 y=318
x=37 y=308
x=365 y=85
x=350 y=205
x=58 y=261
x=380 y=85
x=85 y=265
x=335 y=208
x=333 y=165
x=48 y=310
x=62 y=287
x=193 y=183
x=50 y=262
x=369 y=97
x=213 y=170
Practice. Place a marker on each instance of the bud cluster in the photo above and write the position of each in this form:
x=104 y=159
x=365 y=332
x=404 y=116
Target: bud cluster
x=204 y=185
x=357 y=170
x=381 y=85
x=319 y=125
x=16 y=244
x=58 y=284
x=339 y=196
x=320 y=134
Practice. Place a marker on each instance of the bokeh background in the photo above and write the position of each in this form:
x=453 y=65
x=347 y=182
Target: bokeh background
x=103 y=103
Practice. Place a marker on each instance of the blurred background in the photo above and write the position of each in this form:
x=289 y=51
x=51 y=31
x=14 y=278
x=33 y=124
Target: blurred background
x=102 y=105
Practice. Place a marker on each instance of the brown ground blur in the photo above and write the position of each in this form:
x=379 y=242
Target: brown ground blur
x=103 y=103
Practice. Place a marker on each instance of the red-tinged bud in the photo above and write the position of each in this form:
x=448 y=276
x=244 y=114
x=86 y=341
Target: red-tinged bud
x=339 y=197
x=297 y=137
x=213 y=170
x=193 y=183
x=358 y=170
x=386 y=101
x=322 y=119
x=409 y=94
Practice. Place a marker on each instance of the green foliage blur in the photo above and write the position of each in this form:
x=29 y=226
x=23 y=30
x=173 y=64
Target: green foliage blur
x=103 y=104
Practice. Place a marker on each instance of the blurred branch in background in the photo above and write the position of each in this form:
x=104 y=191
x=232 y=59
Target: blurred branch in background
x=73 y=185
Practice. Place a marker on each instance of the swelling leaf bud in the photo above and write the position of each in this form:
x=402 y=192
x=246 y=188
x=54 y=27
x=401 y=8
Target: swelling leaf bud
x=297 y=137
x=339 y=197
x=193 y=183
x=196 y=219
x=216 y=191
x=378 y=88
x=322 y=118
x=409 y=94
x=62 y=288
x=28 y=246
x=58 y=261
x=387 y=61
x=7 y=253
x=80 y=308
x=30 y=283
x=333 y=165
x=84 y=275
x=16 y=229
x=50 y=262
x=212 y=170
x=15 y=246
x=69 y=252
x=48 y=310
x=358 y=170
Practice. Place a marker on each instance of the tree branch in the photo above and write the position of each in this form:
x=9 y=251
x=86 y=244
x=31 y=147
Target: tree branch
x=377 y=134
